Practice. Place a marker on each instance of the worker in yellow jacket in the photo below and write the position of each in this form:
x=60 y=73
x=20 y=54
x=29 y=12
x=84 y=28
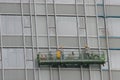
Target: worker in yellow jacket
x=58 y=54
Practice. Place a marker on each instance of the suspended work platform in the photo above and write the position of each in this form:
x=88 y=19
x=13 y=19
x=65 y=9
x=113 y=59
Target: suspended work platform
x=70 y=59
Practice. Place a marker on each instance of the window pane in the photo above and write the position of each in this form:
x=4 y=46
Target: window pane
x=112 y=10
x=91 y=27
x=114 y=43
x=53 y=41
x=50 y=8
x=10 y=8
x=79 y=1
x=114 y=27
x=41 y=25
x=14 y=75
x=90 y=10
x=12 y=41
x=80 y=10
x=65 y=1
x=95 y=75
x=65 y=9
x=89 y=1
x=66 y=26
x=11 y=25
x=116 y=2
x=42 y=42
x=68 y=42
x=40 y=1
x=40 y=9
x=13 y=58
x=29 y=54
x=115 y=58
x=93 y=42
x=10 y=1
x=70 y=73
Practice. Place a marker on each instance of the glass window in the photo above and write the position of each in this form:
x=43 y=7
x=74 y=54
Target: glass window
x=28 y=41
x=83 y=41
x=80 y=9
x=29 y=54
x=46 y=73
x=69 y=42
x=70 y=73
x=114 y=42
x=99 y=1
x=115 y=2
x=112 y=10
x=82 y=32
x=91 y=27
x=64 y=1
x=14 y=74
x=40 y=1
x=93 y=42
x=52 y=31
x=50 y=9
x=10 y=1
x=100 y=10
x=89 y=1
x=49 y=1
x=41 y=25
x=40 y=9
x=51 y=21
x=42 y=42
x=103 y=42
x=26 y=21
x=53 y=41
x=11 y=8
x=79 y=1
x=11 y=25
x=13 y=58
x=65 y=9
x=115 y=74
x=95 y=75
x=12 y=41
x=113 y=27
x=66 y=26
x=115 y=58
x=90 y=10
x=82 y=22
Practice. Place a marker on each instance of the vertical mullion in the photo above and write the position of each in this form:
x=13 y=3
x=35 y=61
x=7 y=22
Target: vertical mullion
x=23 y=36
x=36 y=33
x=33 y=55
x=57 y=45
x=107 y=40
x=47 y=26
x=86 y=33
x=77 y=19
x=48 y=35
x=85 y=21
x=2 y=63
x=56 y=33
x=98 y=38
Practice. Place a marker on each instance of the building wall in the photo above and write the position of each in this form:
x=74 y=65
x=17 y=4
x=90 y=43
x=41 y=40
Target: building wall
x=28 y=27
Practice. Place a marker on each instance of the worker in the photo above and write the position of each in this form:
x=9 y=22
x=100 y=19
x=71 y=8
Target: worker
x=50 y=56
x=59 y=53
x=43 y=57
x=86 y=52
x=71 y=56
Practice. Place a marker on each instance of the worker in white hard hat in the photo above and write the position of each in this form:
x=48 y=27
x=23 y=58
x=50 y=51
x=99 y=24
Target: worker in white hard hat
x=86 y=52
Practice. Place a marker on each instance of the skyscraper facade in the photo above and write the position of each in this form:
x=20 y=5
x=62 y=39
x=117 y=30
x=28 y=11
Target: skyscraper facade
x=29 y=27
